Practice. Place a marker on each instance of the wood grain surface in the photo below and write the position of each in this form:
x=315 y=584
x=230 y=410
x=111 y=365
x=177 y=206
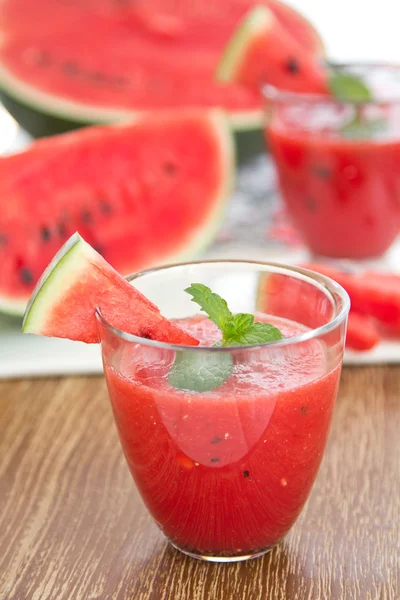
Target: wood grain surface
x=72 y=525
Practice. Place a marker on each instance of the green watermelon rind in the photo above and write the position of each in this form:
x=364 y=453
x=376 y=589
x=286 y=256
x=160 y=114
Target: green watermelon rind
x=57 y=107
x=206 y=230
x=12 y=307
x=257 y=21
x=64 y=271
x=86 y=114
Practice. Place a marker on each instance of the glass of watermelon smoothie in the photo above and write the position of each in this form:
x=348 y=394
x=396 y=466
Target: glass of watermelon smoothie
x=225 y=472
x=338 y=164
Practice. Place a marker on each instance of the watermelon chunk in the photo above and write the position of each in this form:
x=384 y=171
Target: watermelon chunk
x=375 y=296
x=143 y=194
x=362 y=333
x=76 y=283
x=262 y=51
x=104 y=61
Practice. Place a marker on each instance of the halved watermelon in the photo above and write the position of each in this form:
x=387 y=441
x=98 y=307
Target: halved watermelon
x=77 y=282
x=142 y=194
x=262 y=51
x=103 y=61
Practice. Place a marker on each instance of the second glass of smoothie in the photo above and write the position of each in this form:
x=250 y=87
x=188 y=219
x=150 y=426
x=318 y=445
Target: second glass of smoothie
x=338 y=164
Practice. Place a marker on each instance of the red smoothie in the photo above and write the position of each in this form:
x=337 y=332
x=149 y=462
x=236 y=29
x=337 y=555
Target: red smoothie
x=226 y=472
x=342 y=193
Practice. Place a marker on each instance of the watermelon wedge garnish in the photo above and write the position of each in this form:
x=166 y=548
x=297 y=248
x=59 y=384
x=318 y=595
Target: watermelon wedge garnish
x=143 y=194
x=262 y=51
x=76 y=283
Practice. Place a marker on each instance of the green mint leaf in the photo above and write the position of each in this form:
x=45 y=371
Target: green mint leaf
x=361 y=128
x=346 y=87
x=253 y=334
x=196 y=371
x=237 y=326
x=212 y=304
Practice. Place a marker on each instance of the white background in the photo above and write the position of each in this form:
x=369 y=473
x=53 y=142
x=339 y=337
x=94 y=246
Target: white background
x=356 y=29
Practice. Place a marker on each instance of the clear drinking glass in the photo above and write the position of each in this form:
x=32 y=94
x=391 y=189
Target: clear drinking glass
x=225 y=473
x=337 y=164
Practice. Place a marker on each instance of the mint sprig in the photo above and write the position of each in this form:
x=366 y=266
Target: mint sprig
x=198 y=371
x=347 y=87
x=350 y=88
x=212 y=304
x=361 y=128
x=237 y=330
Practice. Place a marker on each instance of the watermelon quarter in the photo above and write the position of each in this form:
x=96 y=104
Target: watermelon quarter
x=76 y=284
x=143 y=194
x=261 y=51
x=101 y=61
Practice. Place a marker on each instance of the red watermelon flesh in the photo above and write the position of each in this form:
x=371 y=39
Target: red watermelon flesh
x=261 y=51
x=372 y=294
x=303 y=31
x=98 y=60
x=142 y=194
x=293 y=298
x=362 y=333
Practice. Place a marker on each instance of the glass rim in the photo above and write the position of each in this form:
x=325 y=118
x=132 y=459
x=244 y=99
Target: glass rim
x=313 y=277
x=274 y=94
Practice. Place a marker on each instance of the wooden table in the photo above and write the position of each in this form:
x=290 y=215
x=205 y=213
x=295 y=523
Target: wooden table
x=73 y=527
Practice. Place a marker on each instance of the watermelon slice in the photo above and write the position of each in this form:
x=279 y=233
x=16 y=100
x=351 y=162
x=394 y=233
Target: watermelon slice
x=293 y=298
x=262 y=51
x=76 y=283
x=372 y=295
x=104 y=61
x=298 y=26
x=142 y=194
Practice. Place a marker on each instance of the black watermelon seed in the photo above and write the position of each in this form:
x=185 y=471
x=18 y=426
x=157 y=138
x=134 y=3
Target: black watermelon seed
x=246 y=474
x=99 y=249
x=120 y=81
x=369 y=220
x=145 y=335
x=304 y=410
x=62 y=230
x=106 y=208
x=97 y=76
x=45 y=234
x=70 y=68
x=215 y=460
x=321 y=172
x=155 y=84
x=216 y=440
x=310 y=204
x=86 y=217
x=3 y=239
x=43 y=59
x=292 y=65
x=26 y=276
x=170 y=168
